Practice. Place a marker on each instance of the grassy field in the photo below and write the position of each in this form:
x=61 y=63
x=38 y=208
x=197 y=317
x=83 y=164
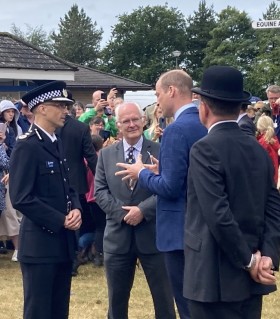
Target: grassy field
x=89 y=294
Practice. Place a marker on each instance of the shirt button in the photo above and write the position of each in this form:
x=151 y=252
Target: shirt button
x=64 y=179
x=61 y=162
x=52 y=172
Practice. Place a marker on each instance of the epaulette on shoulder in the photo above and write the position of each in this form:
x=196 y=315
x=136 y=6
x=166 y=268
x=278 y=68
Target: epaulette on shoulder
x=26 y=135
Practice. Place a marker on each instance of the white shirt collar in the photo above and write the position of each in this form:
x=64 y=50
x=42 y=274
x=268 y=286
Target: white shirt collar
x=137 y=146
x=220 y=122
x=52 y=137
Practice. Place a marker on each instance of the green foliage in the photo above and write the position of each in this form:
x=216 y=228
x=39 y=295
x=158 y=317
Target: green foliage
x=142 y=43
x=78 y=39
x=36 y=36
x=198 y=34
x=265 y=69
x=233 y=41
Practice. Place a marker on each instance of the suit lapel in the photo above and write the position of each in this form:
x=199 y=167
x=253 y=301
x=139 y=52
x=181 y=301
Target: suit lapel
x=120 y=158
x=146 y=147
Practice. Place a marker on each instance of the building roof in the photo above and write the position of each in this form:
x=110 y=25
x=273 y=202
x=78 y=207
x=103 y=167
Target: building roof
x=17 y=56
x=87 y=77
x=16 y=53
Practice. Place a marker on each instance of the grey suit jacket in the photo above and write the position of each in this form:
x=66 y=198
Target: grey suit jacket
x=112 y=193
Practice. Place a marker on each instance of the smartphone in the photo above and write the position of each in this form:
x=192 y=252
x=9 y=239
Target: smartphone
x=104 y=96
x=162 y=122
x=107 y=111
x=105 y=134
x=3 y=127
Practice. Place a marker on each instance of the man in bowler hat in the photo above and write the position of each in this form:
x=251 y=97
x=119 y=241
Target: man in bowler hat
x=40 y=190
x=232 y=225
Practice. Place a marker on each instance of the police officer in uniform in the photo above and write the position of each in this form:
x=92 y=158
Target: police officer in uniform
x=39 y=189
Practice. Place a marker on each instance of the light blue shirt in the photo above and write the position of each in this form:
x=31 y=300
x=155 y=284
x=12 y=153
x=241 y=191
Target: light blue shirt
x=182 y=109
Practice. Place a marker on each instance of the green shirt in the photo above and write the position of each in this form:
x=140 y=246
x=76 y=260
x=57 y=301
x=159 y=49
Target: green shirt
x=110 y=123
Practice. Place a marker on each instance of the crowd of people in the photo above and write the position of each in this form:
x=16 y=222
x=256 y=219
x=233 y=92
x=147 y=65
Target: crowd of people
x=171 y=187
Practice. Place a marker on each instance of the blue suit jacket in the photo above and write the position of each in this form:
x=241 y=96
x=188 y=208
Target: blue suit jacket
x=171 y=183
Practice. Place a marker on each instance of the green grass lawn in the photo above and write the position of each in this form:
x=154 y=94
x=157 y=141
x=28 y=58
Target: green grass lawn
x=89 y=294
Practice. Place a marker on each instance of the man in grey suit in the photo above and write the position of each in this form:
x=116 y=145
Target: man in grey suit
x=130 y=220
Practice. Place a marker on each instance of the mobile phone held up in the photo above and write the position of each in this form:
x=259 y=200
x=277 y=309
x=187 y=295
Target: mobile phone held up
x=3 y=127
x=104 y=96
x=162 y=122
x=105 y=134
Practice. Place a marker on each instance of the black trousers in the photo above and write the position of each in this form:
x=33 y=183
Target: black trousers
x=46 y=290
x=248 y=309
x=120 y=271
x=99 y=220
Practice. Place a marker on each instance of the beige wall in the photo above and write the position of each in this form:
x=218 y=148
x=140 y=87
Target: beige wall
x=82 y=96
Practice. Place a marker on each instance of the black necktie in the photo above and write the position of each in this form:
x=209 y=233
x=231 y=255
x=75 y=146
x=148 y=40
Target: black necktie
x=130 y=159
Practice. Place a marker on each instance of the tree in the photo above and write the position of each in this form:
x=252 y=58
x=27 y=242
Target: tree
x=36 y=36
x=266 y=67
x=78 y=39
x=233 y=41
x=198 y=34
x=142 y=43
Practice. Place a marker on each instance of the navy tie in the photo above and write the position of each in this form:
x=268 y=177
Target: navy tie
x=130 y=159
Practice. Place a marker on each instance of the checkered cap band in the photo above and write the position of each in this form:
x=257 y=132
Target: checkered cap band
x=44 y=97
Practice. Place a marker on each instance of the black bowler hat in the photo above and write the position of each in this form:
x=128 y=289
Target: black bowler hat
x=223 y=83
x=53 y=91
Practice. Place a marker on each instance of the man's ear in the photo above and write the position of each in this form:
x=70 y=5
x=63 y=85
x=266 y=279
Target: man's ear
x=203 y=112
x=171 y=90
x=119 y=126
x=41 y=109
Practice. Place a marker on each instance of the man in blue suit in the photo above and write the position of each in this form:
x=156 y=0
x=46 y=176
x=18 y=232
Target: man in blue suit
x=173 y=91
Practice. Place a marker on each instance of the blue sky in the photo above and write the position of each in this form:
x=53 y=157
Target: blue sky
x=48 y=12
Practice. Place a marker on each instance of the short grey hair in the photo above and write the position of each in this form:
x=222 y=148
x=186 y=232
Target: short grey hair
x=273 y=89
x=120 y=106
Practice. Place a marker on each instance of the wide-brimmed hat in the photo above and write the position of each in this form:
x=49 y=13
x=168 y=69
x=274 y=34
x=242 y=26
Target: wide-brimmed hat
x=53 y=91
x=223 y=83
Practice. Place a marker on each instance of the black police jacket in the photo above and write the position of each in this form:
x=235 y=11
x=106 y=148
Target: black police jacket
x=39 y=189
